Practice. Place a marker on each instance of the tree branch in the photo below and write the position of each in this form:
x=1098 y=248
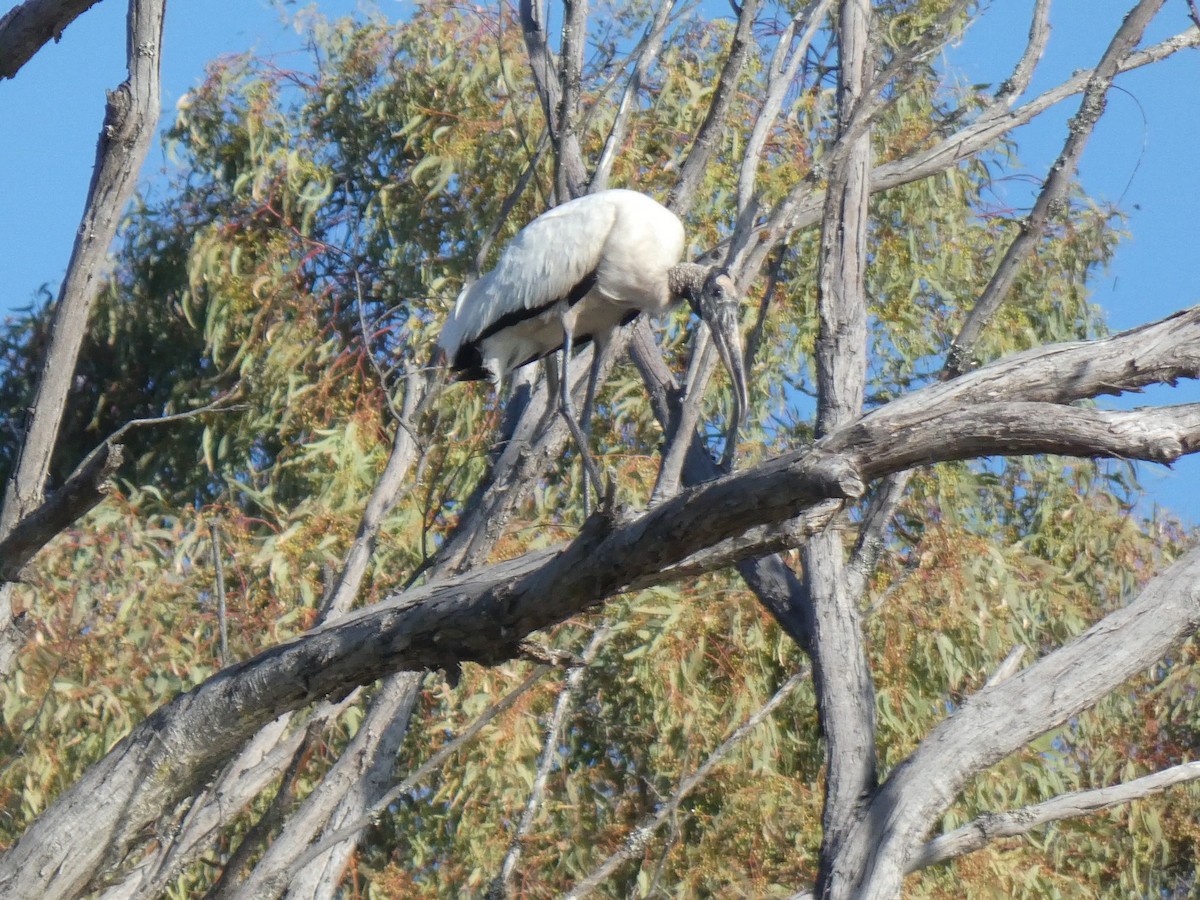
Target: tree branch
x=1002 y=718
x=705 y=142
x=1058 y=182
x=841 y=672
x=355 y=782
x=637 y=841
x=128 y=131
x=989 y=827
x=802 y=207
x=782 y=74
x=431 y=765
x=502 y=884
x=26 y=28
x=86 y=487
x=646 y=53
x=484 y=616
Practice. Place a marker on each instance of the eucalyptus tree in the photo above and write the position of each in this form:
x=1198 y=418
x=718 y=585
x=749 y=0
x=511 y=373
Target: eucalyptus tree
x=342 y=626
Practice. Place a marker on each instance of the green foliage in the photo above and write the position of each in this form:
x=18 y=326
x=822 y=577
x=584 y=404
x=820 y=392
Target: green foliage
x=320 y=223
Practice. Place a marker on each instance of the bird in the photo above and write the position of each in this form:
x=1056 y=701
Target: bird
x=575 y=274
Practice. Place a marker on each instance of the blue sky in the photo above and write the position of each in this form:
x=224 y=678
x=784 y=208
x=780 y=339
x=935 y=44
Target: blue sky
x=1144 y=153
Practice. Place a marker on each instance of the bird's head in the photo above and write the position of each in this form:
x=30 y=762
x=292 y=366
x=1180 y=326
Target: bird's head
x=719 y=304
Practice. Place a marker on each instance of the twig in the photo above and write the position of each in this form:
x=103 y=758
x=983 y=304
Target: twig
x=803 y=205
x=431 y=765
x=502 y=884
x=219 y=566
x=637 y=840
x=989 y=827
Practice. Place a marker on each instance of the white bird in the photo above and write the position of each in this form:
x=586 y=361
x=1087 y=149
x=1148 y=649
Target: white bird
x=576 y=273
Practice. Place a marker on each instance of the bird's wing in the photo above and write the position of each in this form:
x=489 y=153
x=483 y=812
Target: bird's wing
x=547 y=259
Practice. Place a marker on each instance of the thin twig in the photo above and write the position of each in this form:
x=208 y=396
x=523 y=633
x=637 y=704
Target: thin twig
x=219 y=567
x=431 y=765
x=502 y=884
x=637 y=840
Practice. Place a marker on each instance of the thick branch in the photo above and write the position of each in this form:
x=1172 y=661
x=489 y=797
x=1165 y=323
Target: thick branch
x=570 y=172
x=841 y=673
x=26 y=28
x=354 y=783
x=1005 y=717
x=128 y=131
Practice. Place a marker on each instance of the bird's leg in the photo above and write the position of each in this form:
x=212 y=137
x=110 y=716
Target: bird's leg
x=568 y=411
x=599 y=355
x=552 y=388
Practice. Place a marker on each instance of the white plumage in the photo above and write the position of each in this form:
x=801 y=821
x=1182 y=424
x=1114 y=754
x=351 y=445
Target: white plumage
x=618 y=246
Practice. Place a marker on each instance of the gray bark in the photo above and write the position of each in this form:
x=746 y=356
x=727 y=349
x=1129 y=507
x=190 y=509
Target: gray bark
x=129 y=123
x=29 y=26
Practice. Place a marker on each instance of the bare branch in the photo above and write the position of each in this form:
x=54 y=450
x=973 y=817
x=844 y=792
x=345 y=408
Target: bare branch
x=870 y=544
x=782 y=74
x=802 y=207
x=551 y=91
x=26 y=28
x=646 y=53
x=1006 y=716
x=386 y=494
x=129 y=123
x=1039 y=33
x=991 y=827
x=841 y=673
x=1008 y=666
x=502 y=885
x=214 y=530
x=570 y=177
x=541 y=61
x=434 y=763
x=637 y=841
x=705 y=143
x=354 y=782
x=86 y=487
x=1054 y=192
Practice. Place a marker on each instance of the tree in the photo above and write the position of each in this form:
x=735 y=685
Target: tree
x=311 y=635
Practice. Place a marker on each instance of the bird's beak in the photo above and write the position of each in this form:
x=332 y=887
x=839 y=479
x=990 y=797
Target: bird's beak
x=722 y=321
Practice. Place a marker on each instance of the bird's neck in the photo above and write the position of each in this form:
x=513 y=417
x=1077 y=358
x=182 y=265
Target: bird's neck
x=687 y=281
